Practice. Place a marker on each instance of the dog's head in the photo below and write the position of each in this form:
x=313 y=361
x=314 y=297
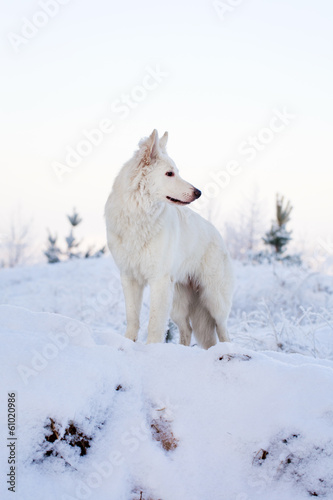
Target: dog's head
x=160 y=174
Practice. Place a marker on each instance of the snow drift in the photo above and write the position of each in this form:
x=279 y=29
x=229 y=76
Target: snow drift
x=102 y=418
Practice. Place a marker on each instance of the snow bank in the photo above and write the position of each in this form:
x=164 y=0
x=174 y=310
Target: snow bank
x=103 y=418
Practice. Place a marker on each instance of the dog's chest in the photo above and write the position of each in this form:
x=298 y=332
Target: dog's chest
x=134 y=249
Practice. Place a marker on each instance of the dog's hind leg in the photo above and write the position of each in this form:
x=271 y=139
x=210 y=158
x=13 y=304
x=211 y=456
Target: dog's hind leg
x=133 y=298
x=180 y=313
x=222 y=331
x=218 y=305
x=203 y=325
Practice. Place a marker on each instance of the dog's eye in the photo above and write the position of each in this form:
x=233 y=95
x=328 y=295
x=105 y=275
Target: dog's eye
x=169 y=174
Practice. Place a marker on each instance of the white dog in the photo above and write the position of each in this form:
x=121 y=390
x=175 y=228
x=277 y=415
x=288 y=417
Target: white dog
x=156 y=240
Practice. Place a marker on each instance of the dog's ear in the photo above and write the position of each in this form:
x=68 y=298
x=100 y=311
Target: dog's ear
x=164 y=140
x=149 y=148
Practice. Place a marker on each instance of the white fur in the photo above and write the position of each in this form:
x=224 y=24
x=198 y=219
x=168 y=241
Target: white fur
x=157 y=241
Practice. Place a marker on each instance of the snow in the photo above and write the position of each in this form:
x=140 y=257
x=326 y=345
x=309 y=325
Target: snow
x=244 y=420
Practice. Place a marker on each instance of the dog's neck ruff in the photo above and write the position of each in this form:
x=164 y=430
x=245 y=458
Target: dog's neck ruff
x=134 y=213
x=140 y=208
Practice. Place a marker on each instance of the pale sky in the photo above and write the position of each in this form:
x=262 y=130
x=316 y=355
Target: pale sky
x=220 y=81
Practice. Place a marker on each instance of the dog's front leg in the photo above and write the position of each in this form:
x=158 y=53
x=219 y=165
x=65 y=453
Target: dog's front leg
x=160 y=304
x=133 y=298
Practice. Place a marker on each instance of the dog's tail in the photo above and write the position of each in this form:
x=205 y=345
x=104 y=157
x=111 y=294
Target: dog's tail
x=203 y=324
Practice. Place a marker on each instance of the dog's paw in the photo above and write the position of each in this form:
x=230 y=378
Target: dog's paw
x=131 y=336
x=154 y=340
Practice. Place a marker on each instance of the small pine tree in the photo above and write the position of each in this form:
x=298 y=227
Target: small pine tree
x=278 y=236
x=74 y=219
x=53 y=251
x=72 y=243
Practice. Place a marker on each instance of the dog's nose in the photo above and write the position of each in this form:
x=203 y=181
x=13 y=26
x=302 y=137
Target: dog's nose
x=197 y=193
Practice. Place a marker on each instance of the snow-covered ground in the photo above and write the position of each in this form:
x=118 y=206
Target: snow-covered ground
x=102 y=418
x=275 y=307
